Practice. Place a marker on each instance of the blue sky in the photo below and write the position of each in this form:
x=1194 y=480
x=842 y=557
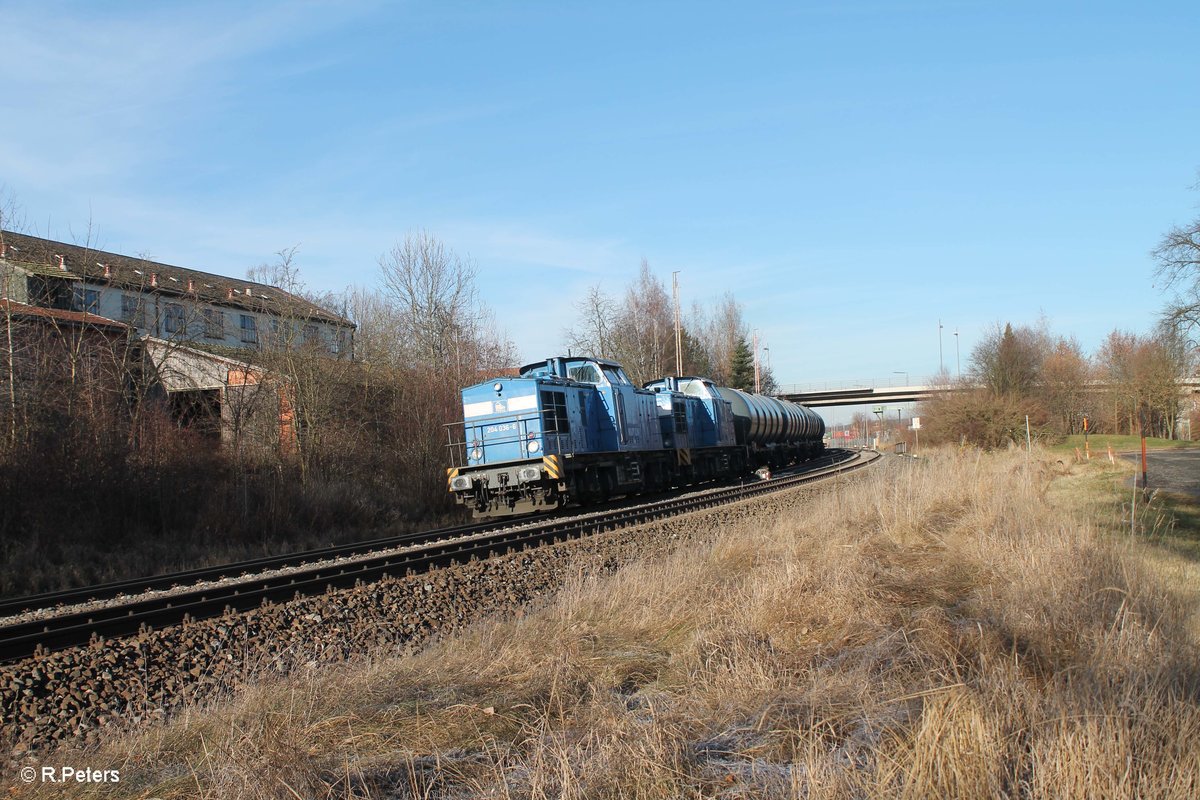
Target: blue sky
x=852 y=171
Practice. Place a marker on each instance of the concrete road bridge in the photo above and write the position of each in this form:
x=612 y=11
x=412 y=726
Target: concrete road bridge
x=853 y=393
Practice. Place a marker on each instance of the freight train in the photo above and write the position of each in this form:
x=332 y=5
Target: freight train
x=577 y=430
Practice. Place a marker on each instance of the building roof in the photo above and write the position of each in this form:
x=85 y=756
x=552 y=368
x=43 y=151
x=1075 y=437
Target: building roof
x=59 y=315
x=75 y=262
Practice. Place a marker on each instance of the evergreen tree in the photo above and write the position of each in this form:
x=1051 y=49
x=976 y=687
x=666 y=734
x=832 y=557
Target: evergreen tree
x=741 y=371
x=695 y=358
x=1008 y=361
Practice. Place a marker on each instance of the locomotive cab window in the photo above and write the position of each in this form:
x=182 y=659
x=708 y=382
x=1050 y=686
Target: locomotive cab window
x=584 y=373
x=554 y=413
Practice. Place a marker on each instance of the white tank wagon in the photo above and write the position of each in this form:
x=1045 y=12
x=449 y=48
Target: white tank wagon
x=777 y=431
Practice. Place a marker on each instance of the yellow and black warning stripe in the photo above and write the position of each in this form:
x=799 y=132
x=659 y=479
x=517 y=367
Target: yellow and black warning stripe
x=553 y=466
x=683 y=457
x=451 y=474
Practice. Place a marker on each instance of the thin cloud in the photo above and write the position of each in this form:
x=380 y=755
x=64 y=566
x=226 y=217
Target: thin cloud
x=103 y=92
x=516 y=243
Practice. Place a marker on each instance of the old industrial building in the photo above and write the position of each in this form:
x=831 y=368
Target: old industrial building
x=205 y=340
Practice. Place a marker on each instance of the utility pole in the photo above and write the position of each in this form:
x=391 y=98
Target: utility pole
x=678 y=328
x=757 y=374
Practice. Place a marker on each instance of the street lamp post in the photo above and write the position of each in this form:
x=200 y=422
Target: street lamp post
x=901 y=372
x=941 y=361
x=957 y=359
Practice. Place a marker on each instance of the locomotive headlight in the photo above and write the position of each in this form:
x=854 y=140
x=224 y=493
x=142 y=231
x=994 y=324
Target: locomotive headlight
x=533 y=446
x=460 y=483
x=476 y=454
x=498 y=386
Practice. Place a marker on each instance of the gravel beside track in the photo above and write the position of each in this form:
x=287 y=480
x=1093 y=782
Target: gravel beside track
x=236 y=574
x=73 y=695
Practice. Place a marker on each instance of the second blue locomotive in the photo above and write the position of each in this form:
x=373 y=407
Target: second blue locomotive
x=577 y=430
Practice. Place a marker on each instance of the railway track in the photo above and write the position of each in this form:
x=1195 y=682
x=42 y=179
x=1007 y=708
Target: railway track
x=361 y=562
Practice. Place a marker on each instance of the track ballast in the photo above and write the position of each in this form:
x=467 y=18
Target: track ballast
x=379 y=558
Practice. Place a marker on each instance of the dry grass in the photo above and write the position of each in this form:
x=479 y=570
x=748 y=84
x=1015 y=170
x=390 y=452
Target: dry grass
x=946 y=630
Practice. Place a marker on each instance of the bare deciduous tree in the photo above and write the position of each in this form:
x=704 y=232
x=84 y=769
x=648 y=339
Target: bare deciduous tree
x=1142 y=374
x=379 y=339
x=282 y=272
x=1178 y=257
x=9 y=220
x=434 y=291
x=592 y=334
x=643 y=338
x=1065 y=374
x=727 y=329
x=638 y=331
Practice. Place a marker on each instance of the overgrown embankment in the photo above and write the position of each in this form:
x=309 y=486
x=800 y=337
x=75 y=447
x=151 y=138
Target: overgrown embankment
x=971 y=626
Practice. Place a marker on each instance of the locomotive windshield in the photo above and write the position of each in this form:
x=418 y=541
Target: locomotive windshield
x=616 y=376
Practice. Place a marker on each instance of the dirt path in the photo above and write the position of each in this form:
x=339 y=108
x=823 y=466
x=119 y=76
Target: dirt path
x=1172 y=470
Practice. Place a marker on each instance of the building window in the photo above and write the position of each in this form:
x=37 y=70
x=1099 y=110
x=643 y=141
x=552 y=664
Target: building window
x=312 y=334
x=249 y=329
x=85 y=299
x=132 y=310
x=214 y=324
x=174 y=321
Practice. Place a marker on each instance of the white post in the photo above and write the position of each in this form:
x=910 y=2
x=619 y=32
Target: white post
x=678 y=327
x=1133 y=509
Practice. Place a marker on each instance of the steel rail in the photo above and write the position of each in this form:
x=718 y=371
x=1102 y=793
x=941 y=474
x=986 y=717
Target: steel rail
x=107 y=591
x=25 y=639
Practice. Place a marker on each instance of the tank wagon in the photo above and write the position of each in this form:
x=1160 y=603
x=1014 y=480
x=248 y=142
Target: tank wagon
x=577 y=430
x=775 y=432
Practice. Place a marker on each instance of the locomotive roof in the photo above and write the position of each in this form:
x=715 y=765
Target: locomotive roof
x=601 y=361
x=681 y=378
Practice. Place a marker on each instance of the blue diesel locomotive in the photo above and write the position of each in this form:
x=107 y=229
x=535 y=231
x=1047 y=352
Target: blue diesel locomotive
x=577 y=430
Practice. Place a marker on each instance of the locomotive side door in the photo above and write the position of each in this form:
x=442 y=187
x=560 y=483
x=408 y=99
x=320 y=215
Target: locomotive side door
x=605 y=421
